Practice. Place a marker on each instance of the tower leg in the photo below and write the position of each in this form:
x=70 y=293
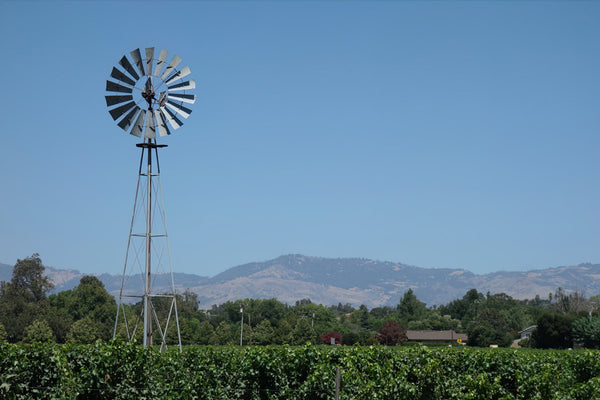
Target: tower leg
x=150 y=253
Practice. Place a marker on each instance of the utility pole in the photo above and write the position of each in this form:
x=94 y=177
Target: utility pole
x=242 y=325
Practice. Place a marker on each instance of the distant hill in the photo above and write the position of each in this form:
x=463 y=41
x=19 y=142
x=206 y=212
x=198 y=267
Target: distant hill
x=355 y=281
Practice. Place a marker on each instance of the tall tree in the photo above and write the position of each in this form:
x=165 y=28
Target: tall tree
x=223 y=334
x=23 y=299
x=489 y=328
x=28 y=278
x=204 y=333
x=91 y=300
x=553 y=331
x=410 y=308
x=302 y=333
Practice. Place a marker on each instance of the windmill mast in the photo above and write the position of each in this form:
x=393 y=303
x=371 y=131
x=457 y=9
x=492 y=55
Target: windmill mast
x=148 y=274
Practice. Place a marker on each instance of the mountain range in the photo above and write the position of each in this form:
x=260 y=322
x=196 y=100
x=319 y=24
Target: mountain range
x=353 y=280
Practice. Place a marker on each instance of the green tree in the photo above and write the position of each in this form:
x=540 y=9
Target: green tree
x=283 y=333
x=410 y=308
x=553 y=332
x=38 y=331
x=586 y=332
x=270 y=309
x=489 y=328
x=91 y=300
x=302 y=333
x=263 y=333
x=222 y=335
x=84 y=331
x=23 y=299
x=60 y=321
x=28 y=278
x=187 y=306
x=3 y=334
x=465 y=309
x=364 y=317
x=205 y=333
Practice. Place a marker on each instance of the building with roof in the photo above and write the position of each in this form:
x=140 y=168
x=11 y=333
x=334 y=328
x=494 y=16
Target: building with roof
x=449 y=336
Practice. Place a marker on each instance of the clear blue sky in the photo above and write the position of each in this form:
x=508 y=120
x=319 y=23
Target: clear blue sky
x=437 y=134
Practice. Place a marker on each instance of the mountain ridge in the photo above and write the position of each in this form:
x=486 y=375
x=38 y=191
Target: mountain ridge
x=354 y=280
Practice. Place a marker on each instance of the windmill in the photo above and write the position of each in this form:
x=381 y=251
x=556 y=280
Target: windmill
x=146 y=96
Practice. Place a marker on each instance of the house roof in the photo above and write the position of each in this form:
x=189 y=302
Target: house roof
x=529 y=329
x=438 y=336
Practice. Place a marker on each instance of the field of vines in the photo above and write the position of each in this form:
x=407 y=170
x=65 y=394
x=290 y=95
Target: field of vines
x=126 y=371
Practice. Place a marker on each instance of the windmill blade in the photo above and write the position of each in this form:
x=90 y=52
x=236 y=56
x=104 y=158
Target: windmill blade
x=137 y=59
x=113 y=100
x=115 y=87
x=185 y=71
x=174 y=63
x=187 y=98
x=149 y=59
x=179 y=109
x=117 y=112
x=161 y=60
x=139 y=124
x=163 y=130
x=127 y=120
x=150 y=131
x=191 y=84
x=124 y=62
x=172 y=118
x=120 y=76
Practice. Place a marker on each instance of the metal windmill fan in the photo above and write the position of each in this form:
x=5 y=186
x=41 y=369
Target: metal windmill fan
x=143 y=98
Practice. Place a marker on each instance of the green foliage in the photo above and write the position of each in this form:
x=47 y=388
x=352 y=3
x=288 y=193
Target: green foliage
x=410 y=308
x=91 y=300
x=586 y=332
x=223 y=334
x=263 y=333
x=83 y=331
x=120 y=370
x=23 y=299
x=86 y=313
x=39 y=331
x=489 y=328
x=553 y=332
x=3 y=334
x=28 y=279
x=204 y=333
x=302 y=333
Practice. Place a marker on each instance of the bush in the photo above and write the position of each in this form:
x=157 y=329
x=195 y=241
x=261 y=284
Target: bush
x=38 y=331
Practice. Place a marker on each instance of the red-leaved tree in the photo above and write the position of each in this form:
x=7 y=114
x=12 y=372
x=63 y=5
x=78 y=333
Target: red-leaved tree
x=327 y=338
x=391 y=333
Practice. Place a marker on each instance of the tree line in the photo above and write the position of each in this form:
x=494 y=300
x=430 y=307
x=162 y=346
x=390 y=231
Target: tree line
x=86 y=313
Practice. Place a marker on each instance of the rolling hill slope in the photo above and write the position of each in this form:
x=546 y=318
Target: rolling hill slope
x=354 y=280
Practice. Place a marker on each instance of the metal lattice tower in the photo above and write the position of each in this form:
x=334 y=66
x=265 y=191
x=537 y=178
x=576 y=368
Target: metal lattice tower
x=148 y=273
